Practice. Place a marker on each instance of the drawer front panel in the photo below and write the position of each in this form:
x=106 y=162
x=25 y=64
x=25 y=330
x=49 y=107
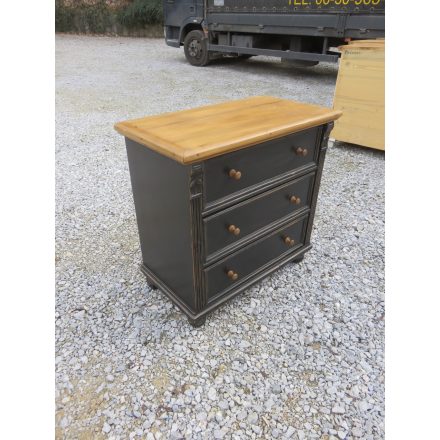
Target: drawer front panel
x=232 y=226
x=257 y=164
x=229 y=272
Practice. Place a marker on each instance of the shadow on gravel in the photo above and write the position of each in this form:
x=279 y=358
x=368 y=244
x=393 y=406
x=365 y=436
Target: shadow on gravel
x=358 y=149
x=259 y=65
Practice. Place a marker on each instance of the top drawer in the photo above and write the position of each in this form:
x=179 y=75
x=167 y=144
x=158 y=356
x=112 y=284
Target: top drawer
x=242 y=171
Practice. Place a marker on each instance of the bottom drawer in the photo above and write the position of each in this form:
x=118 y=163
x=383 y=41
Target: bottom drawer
x=235 y=269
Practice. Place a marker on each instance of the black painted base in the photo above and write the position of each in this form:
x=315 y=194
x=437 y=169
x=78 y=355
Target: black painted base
x=194 y=318
x=151 y=284
x=197 y=322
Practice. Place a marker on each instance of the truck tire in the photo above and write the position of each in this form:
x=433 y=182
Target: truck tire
x=196 y=48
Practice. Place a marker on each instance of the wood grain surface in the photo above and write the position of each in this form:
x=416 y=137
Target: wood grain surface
x=360 y=94
x=190 y=136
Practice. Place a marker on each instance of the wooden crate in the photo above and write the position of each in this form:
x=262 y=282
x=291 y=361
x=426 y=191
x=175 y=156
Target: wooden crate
x=360 y=94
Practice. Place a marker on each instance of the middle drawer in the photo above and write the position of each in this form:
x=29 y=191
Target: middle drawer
x=235 y=226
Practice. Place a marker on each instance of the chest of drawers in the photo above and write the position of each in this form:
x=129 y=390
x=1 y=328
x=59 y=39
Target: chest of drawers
x=224 y=194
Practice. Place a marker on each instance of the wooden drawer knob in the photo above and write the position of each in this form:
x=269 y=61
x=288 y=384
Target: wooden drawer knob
x=234 y=174
x=234 y=230
x=301 y=151
x=232 y=275
x=289 y=241
x=295 y=200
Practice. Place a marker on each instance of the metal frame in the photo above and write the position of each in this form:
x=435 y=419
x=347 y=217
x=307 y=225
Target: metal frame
x=306 y=56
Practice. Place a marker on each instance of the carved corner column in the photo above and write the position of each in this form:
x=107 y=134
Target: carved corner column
x=326 y=130
x=198 y=243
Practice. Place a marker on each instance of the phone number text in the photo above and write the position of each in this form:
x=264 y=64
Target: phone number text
x=334 y=2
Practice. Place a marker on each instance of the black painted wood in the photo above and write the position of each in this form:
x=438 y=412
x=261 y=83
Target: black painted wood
x=183 y=213
x=253 y=257
x=257 y=276
x=198 y=242
x=253 y=214
x=258 y=164
x=161 y=198
x=325 y=134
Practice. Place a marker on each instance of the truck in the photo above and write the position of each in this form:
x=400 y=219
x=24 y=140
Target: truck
x=304 y=32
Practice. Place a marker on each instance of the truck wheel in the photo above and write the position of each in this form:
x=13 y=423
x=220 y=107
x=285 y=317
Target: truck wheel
x=196 y=48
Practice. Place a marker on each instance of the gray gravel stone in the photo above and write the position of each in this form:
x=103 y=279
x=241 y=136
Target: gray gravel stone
x=106 y=428
x=252 y=418
x=218 y=433
x=276 y=388
x=223 y=404
x=219 y=416
x=338 y=409
x=274 y=353
x=357 y=432
x=241 y=415
x=212 y=394
x=64 y=423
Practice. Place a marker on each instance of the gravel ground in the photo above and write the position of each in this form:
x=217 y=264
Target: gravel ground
x=300 y=355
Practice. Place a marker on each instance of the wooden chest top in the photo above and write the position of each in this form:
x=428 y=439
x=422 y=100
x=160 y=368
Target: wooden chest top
x=190 y=136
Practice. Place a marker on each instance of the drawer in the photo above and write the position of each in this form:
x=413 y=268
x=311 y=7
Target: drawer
x=233 y=270
x=237 y=224
x=243 y=170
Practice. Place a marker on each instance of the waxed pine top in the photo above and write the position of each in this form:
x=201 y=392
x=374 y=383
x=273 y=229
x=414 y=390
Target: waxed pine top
x=198 y=134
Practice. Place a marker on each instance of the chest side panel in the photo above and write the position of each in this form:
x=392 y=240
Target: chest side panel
x=161 y=192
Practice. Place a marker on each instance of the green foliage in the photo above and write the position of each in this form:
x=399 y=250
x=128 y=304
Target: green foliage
x=64 y=17
x=99 y=18
x=94 y=18
x=141 y=12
